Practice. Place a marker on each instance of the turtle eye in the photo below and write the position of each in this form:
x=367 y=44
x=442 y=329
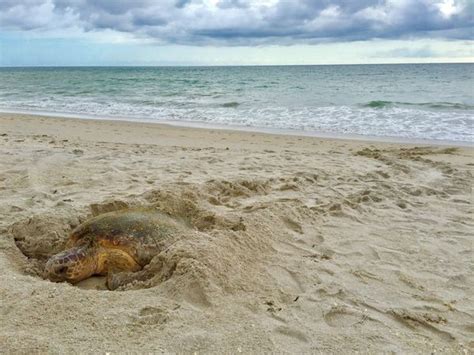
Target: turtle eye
x=61 y=270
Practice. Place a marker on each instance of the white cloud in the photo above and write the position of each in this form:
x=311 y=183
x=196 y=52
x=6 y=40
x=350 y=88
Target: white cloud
x=449 y=8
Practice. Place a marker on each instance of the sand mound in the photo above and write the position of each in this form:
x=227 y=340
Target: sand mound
x=41 y=236
x=214 y=254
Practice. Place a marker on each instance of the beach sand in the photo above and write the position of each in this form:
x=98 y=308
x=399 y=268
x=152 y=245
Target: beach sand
x=294 y=244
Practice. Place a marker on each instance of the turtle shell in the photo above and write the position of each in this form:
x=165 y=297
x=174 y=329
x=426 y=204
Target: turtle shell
x=140 y=233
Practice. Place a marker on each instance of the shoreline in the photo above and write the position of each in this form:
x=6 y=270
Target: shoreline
x=235 y=128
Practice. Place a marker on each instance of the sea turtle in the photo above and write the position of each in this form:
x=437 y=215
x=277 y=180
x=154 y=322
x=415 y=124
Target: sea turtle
x=113 y=242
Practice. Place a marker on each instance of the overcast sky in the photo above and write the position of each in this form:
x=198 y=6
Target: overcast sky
x=223 y=32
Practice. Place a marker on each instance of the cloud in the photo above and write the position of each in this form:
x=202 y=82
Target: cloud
x=404 y=52
x=417 y=51
x=247 y=22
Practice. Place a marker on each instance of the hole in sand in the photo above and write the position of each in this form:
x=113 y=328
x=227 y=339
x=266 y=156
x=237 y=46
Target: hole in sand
x=182 y=266
x=43 y=236
x=40 y=237
x=212 y=253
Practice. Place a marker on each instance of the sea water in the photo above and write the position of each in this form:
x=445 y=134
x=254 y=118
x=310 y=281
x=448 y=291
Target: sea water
x=417 y=101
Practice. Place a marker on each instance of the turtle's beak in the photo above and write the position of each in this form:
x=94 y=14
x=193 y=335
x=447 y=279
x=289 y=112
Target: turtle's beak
x=56 y=273
x=55 y=269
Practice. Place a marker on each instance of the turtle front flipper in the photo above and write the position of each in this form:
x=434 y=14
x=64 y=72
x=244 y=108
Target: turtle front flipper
x=115 y=260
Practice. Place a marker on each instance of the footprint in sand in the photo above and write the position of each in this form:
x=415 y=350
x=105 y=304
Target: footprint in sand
x=286 y=279
x=292 y=225
x=292 y=333
x=342 y=317
x=151 y=316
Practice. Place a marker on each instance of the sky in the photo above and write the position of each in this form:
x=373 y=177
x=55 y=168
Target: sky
x=234 y=32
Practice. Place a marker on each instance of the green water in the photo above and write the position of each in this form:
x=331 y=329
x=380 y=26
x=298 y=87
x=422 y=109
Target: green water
x=424 y=101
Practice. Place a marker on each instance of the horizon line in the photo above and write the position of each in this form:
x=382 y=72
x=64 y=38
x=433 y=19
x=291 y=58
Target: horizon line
x=217 y=65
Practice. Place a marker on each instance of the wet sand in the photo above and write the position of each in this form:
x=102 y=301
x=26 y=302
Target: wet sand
x=292 y=244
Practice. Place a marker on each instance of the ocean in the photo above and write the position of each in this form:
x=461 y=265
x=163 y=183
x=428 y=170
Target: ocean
x=414 y=101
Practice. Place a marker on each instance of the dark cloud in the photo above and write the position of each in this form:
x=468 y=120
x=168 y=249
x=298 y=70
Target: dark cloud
x=227 y=4
x=249 y=22
x=182 y=3
x=7 y=4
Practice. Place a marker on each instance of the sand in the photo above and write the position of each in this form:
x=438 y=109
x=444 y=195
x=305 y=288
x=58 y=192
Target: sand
x=294 y=244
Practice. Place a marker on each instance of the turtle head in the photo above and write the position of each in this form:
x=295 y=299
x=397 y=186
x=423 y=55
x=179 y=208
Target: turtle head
x=72 y=265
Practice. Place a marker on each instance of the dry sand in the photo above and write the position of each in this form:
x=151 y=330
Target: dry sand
x=295 y=244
